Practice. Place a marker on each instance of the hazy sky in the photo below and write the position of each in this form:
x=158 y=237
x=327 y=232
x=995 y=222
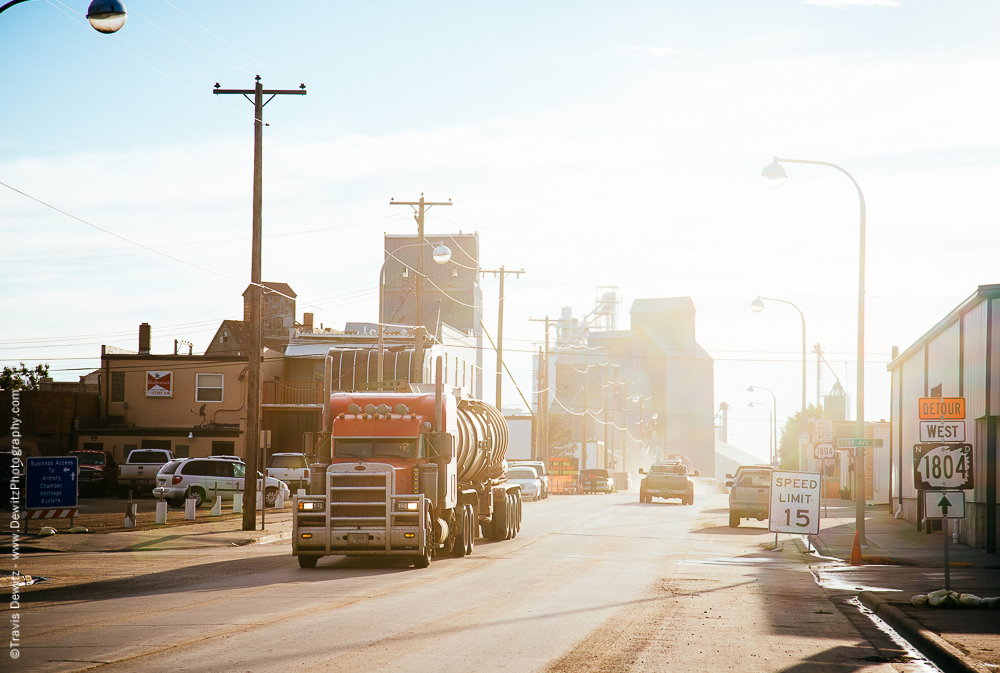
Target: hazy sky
x=590 y=143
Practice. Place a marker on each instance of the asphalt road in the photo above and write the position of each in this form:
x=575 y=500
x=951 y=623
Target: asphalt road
x=591 y=583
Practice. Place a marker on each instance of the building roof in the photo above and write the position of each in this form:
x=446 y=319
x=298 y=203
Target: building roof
x=282 y=288
x=662 y=304
x=982 y=293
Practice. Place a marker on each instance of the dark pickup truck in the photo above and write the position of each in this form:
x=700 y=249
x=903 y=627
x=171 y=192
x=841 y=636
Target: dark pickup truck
x=668 y=479
x=98 y=473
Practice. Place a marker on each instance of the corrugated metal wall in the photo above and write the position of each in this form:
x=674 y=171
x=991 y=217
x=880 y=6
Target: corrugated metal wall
x=975 y=366
x=913 y=389
x=942 y=361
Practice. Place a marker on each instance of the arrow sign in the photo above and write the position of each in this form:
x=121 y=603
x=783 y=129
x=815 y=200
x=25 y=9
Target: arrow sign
x=944 y=504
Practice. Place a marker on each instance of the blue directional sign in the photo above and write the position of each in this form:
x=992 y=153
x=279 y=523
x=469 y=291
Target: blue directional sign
x=51 y=482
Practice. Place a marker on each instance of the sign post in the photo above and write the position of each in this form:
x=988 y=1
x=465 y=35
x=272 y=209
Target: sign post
x=795 y=503
x=944 y=505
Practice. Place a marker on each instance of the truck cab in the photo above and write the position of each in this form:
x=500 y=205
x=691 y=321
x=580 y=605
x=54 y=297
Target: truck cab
x=411 y=475
x=667 y=479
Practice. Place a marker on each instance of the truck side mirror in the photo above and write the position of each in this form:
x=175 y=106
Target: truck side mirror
x=696 y=473
x=729 y=483
x=641 y=471
x=729 y=476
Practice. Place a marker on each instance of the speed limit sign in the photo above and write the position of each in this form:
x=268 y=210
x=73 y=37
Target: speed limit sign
x=939 y=466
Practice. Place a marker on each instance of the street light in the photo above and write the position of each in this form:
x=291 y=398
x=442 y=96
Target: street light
x=774 y=427
x=776 y=172
x=106 y=16
x=758 y=305
x=770 y=441
x=441 y=255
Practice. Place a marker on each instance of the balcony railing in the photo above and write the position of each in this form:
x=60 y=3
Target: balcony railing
x=292 y=392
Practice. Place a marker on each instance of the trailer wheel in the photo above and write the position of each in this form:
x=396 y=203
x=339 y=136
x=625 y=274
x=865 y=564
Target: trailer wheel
x=498 y=529
x=307 y=561
x=511 y=516
x=734 y=519
x=520 y=502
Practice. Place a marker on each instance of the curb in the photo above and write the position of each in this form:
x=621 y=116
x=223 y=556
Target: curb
x=264 y=539
x=942 y=653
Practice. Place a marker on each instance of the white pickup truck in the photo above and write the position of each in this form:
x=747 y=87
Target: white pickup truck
x=138 y=472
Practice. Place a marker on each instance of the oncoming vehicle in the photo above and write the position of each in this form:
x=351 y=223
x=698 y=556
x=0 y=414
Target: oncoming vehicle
x=750 y=493
x=291 y=468
x=543 y=474
x=527 y=478
x=596 y=480
x=204 y=478
x=98 y=472
x=668 y=479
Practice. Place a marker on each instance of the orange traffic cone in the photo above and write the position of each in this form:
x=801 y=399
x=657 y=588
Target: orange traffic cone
x=856 y=551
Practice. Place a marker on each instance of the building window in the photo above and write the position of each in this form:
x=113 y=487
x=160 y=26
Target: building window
x=223 y=448
x=182 y=451
x=117 y=386
x=208 y=388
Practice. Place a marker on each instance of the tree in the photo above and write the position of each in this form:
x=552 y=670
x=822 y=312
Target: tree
x=13 y=378
x=789 y=448
x=560 y=437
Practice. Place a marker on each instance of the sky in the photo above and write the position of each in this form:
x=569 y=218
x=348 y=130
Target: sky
x=589 y=143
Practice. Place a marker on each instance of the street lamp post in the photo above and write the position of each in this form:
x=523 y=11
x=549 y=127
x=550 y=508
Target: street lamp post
x=769 y=421
x=775 y=173
x=106 y=16
x=441 y=255
x=774 y=425
x=758 y=306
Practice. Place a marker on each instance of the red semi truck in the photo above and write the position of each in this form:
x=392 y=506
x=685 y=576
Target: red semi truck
x=412 y=475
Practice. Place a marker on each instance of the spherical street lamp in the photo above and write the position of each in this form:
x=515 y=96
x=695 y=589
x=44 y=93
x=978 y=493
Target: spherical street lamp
x=107 y=16
x=757 y=305
x=441 y=254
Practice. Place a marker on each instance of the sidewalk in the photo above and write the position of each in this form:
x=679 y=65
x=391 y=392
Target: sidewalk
x=901 y=562
x=177 y=533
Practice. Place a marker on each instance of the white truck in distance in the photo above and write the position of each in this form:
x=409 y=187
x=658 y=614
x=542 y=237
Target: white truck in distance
x=139 y=470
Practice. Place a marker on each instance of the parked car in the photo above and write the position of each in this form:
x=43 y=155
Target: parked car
x=543 y=473
x=203 y=478
x=667 y=479
x=139 y=470
x=750 y=493
x=527 y=478
x=291 y=468
x=596 y=481
x=97 y=471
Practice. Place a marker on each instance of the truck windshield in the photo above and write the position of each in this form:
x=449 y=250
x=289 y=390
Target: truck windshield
x=90 y=458
x=385 y=447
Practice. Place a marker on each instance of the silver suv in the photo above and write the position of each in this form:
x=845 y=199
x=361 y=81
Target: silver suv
x=291 y=468
x=204 y=478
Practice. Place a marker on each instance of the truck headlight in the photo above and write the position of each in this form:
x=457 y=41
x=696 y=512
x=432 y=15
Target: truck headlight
x=407 y=506
x=309 y=506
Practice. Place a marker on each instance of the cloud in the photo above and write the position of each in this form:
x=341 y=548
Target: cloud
x=840 y=4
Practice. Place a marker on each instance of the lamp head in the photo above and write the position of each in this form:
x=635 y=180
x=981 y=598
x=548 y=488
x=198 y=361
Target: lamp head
x=750 y=404
x=775 y=174
x=750 y=389
x=441 y=254
x=107 y=16
x=757 y=305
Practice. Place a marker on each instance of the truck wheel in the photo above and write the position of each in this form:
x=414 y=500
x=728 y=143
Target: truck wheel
x=734 y=519
x=451 y=542
x=473 y=528
x=518 y=509
x=512 y=508
x=461 y=546
x=307 y=561
x=498 y=531
x=424 y=559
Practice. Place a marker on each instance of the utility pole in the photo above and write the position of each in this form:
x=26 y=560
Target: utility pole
x=253 y=374
x=420 y=207
x=819 y=358
x=544 y=400
x=502 y=274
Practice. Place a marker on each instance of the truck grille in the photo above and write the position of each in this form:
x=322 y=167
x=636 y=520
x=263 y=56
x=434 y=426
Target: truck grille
x=358 y=499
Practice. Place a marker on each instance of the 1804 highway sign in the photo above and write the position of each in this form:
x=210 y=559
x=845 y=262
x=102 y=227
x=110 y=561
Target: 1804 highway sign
x=938 y=466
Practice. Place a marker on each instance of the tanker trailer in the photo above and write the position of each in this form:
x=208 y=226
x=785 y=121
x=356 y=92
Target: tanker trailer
x=412 y=475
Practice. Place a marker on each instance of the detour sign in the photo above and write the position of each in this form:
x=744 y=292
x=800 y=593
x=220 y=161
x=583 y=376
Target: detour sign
x=946 y=408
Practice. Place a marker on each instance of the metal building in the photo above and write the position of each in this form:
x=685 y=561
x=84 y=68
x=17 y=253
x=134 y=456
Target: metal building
x=958 y=357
